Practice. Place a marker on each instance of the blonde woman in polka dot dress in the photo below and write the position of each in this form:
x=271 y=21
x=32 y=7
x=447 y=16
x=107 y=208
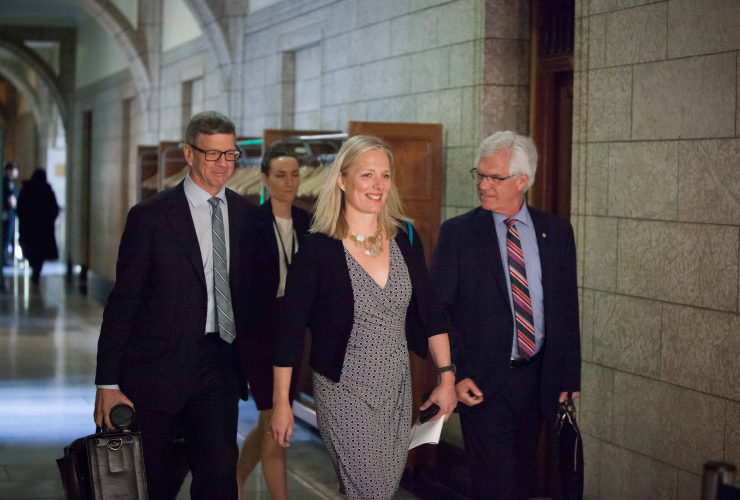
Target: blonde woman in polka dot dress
x=360 y=284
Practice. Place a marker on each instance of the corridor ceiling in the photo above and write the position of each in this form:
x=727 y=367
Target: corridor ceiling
x=62 y=13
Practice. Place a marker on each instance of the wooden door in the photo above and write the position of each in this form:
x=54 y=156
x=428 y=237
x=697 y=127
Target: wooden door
x=417 y=156
x=551 y=125
x=551 y=114
x=85 y=186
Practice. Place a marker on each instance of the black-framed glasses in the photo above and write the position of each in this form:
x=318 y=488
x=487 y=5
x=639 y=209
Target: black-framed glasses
x=214 y=155
x=494 y=179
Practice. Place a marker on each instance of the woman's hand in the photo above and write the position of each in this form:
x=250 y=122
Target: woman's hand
x=281 y=423
x=444 y=396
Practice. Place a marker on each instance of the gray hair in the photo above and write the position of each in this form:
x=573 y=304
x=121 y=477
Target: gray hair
x=208 y=123
x=523 y=153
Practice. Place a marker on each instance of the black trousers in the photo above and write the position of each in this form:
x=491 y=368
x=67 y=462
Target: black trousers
x=209 y=420
x=501 y=435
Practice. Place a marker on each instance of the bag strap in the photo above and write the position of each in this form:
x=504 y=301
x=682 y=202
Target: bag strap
x=411 y=233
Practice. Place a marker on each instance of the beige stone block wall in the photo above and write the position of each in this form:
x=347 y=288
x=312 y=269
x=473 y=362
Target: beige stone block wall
x=461 y=63
x=656 y=161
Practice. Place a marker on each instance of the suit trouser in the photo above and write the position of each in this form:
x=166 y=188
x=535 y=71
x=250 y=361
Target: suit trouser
x=209 y=419
x=501 y=435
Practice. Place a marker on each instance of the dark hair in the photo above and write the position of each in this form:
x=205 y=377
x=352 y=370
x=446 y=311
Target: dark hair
x=208 y=123
x=39 y=175
x=11 y=165
x=272 y=153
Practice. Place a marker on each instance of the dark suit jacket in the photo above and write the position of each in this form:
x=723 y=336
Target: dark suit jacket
x=265 y=280
x=266 y=262
x=156 y=313
x=469 y=281
x=318 y=294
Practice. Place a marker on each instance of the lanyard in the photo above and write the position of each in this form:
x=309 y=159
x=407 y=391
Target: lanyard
x=282 y=245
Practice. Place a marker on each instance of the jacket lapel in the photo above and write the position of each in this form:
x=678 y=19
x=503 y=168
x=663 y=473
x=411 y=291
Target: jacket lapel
x=301 y=223
x=544 y=244
x=236 y=230
x=181 y=221
x=488 y=241
x=267 y=229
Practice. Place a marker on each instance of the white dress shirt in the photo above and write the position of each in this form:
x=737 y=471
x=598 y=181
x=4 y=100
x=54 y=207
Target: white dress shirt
x=202 y=213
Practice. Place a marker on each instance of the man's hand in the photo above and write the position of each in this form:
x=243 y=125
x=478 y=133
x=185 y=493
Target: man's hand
x=468 y=392
x=443 y=396
x=564 y=396
x=105 y=399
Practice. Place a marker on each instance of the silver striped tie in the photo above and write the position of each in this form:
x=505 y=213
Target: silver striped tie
x=222 y=292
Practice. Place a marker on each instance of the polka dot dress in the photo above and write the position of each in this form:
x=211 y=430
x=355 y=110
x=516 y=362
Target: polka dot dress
x=365 y=419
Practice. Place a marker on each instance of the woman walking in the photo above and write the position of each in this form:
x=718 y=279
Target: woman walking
x=37 y=210
x=360 y=284
x=281 y=226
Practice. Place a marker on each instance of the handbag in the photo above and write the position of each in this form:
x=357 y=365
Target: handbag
x=107 y=464
x=569 y=452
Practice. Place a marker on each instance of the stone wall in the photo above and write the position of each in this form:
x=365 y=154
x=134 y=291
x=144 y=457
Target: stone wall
x=320 y=64
x=418 y=61
x=656 y=207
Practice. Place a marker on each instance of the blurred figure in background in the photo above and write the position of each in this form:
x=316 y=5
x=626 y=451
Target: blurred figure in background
x=10 y=200
x=37 y=210
x=280 y=228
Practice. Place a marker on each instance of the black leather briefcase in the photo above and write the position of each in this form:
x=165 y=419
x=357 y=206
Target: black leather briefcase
x=568 y=453
x=108 y=464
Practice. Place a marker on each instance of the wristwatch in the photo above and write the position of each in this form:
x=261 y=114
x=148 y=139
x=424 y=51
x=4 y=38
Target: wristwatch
x=450 y=368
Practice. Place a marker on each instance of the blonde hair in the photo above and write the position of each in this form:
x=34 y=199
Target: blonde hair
x=329 y=215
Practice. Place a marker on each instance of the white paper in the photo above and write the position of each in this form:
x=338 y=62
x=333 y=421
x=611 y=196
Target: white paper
x=426 y=433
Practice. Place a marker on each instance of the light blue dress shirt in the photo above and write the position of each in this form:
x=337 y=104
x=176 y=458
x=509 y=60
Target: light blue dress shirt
x=202 y=212
x=528 y=239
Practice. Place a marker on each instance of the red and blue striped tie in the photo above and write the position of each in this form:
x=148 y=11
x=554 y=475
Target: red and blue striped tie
x=520 y=292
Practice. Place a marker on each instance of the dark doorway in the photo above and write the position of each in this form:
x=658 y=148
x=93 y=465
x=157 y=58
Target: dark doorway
x=551 y=128
x=551 y=115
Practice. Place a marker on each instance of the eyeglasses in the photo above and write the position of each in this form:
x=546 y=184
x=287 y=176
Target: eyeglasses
x=494 y=179
x=214 y=155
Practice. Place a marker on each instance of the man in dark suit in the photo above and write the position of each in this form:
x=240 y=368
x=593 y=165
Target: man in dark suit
x=177 y=314
x=505 y=274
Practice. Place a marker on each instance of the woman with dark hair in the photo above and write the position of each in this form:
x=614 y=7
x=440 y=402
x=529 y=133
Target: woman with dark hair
x=280 y=227
x=37 y=210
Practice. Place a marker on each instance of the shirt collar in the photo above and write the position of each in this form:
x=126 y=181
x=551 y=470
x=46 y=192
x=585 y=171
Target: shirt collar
x=198 y=196
x=522 y=216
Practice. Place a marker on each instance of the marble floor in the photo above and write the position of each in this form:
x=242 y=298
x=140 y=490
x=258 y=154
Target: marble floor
x=48 y=337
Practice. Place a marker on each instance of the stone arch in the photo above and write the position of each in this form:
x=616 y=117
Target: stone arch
x=214 y=31
x=130 y=40
x=28 y=57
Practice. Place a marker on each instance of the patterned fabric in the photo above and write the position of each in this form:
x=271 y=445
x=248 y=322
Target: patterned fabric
x=224 y=311
x=365 y=419
x=520 y=292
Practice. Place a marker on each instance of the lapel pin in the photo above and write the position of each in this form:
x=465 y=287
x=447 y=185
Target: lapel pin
x=544 y=235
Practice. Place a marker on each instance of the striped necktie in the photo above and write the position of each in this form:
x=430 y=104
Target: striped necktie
x=222 y=292
x=520 y=292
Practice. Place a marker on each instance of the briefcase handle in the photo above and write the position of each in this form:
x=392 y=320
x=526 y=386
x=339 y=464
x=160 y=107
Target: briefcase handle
x=122 y=417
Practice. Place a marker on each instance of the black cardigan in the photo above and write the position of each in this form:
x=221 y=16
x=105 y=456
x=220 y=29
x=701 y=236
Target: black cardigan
x=318 y=295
